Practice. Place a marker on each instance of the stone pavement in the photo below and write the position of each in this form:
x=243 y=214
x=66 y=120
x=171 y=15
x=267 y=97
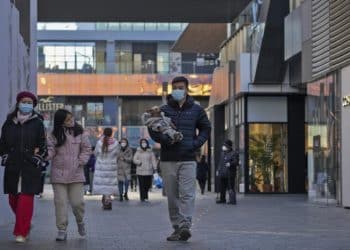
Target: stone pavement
x=281 y=222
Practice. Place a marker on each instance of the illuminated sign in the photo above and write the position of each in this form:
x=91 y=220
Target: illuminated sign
x=47 y=104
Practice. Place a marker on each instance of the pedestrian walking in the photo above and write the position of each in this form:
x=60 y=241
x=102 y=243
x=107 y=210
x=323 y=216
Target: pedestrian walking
x=146 y=165
x=178 y=163
x=89 y=170
x=202 y=173
x=23 y=149
x=227 y=173
x=124 y=160
x=69 y=150
x=105 y=177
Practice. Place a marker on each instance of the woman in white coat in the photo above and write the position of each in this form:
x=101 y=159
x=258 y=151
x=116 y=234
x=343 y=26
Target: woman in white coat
x=105 y=177
x=146 y=165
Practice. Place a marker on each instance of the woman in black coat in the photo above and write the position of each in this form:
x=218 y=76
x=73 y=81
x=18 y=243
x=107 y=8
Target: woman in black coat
x=202 y=173
x=23 y=149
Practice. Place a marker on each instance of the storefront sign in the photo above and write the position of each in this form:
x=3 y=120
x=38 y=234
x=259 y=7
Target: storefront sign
x=346 y=101
x=47 y=104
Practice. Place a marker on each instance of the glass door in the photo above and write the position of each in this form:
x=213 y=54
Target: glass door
x=267 y=158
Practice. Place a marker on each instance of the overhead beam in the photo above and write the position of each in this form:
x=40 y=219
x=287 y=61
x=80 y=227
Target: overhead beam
x=191 y=11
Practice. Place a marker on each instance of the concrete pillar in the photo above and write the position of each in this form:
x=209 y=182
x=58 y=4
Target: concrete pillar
x=345 y=137
x=110 y=111
x=110 y=57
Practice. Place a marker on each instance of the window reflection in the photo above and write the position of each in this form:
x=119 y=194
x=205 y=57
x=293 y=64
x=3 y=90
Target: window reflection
x=66 y=57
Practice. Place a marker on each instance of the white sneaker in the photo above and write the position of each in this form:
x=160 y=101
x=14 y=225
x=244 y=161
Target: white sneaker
x=20 y=239
x=61 y=235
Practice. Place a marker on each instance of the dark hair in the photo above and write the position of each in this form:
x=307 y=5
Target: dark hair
x=58 y=129
x=144 y=140
x=180 y=79
x=107 y=132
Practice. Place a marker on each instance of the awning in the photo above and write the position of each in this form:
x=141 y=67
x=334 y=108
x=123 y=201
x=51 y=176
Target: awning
x=201 y=38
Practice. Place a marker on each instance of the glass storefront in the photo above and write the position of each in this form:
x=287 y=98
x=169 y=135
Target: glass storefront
x=323 y=138
x=267 y=158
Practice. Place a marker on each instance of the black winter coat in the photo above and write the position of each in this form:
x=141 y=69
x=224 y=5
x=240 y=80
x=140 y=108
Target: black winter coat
x=202 y=170
x=231 y=157
x=187 y=120
x=19 y=142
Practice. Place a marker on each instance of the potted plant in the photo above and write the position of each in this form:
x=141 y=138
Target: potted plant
x=261 y=152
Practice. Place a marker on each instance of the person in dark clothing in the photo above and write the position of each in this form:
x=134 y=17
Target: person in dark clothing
x=178 y=162
x=227 y=172
x=202 y=173
x=89 y=170
x=23 y=150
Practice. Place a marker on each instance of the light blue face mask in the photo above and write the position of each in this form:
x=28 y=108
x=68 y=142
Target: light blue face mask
x=178 y=94
x=25 y=108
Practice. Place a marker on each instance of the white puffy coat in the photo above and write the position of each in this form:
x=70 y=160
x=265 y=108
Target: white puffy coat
x=105 y=176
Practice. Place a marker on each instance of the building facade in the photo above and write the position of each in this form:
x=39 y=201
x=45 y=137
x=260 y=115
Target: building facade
x=108 y=74
x=282 y=88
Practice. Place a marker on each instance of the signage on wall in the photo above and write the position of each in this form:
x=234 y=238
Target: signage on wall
x=346 y=101
x=47 y=104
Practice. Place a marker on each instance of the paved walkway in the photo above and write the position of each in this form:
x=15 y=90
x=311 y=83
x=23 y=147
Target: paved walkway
x=281 y=222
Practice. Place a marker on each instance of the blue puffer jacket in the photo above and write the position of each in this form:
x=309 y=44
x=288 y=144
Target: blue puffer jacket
x=187 y=119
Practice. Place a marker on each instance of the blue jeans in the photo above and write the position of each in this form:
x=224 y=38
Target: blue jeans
x=121 y=185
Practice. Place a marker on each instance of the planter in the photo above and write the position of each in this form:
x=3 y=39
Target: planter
x=267 y=188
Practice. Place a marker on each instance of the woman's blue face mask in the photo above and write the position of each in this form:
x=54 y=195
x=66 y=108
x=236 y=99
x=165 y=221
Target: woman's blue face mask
x=25 y=108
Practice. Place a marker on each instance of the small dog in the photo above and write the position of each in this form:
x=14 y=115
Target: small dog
x=155 y=119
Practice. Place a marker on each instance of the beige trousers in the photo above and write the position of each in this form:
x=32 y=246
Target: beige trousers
x=72 y=193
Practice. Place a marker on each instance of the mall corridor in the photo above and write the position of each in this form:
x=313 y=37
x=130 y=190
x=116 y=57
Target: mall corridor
x=257 y=222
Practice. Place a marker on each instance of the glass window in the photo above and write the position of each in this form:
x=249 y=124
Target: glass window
x=150 y=26
x=268 y=170
x=114 y=26
x=175 y=26
x=126 y=26
x=163 y=26
x=139 y=26
x=163 y=62
x=60 y=57
x=323 y=133
x=101 y=26
x=94 y=114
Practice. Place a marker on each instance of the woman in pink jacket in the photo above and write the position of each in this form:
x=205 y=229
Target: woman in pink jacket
x=69 y=149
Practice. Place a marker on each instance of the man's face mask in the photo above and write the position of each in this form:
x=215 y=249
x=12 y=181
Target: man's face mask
x=178 y=94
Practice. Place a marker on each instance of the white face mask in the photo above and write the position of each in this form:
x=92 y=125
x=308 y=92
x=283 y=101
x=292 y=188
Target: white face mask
x=123 y=144
x=144 y=145
x=224 y=148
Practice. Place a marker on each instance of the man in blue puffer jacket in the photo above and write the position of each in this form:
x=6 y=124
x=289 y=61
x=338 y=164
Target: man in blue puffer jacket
x=178 y=163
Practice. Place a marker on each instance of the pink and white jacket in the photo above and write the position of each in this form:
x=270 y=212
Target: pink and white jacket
x=67 y=165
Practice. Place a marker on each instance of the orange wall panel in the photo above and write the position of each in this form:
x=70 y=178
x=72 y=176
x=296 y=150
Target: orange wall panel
x=114 y=85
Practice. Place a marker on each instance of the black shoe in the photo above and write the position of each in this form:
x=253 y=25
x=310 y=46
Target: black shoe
x=175 y=236
x=221 y=202
x=120 y=197
x=184 y=233
x=126 y=196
